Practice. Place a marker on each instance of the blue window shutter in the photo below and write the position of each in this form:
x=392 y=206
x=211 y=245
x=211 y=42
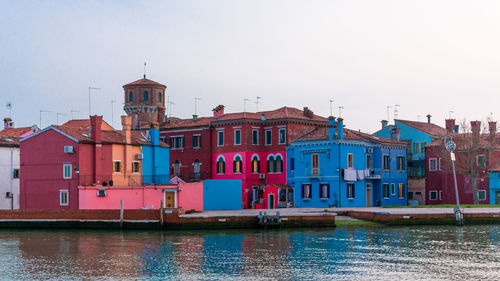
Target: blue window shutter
x=302 y=191
x=310 y=191
x=353 y=191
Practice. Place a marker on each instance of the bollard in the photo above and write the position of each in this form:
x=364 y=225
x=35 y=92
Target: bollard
x=121 y=214
x=161 y=214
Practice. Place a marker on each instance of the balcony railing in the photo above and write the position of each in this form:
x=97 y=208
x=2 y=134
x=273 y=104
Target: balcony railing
x=375 y=174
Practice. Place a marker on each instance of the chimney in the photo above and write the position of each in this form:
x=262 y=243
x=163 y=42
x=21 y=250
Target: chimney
x=428 y=118
x=493 y=130
x=476 y=131
x=384 y=123
x=126 y=127
x=7 y=123
x=95 y=128
x=395 y=133
x=450 y=125
x=308 y=112
x=218 y=111
x=195 y=117
x=154 y=134
x=331 y=128
x=457 y=127
x=340 y=128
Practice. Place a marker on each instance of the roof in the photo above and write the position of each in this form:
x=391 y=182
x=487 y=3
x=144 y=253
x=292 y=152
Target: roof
x=462 y=140
x=11 y=136
x=85 y=123
x=495 y=167
x=429 y=128
x=322 y=134
x=280 y=113
x=144 y=81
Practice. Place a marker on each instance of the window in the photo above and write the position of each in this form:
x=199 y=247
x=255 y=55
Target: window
x=135 y=167
x=416 y=147
x=306 y=191
x=177 y=168
x=433 y=195
x=387 y=162
x=269 y=136
x=196 y=166
x=401 y=163
x=350 y=161
x=350 y=190
x=393 y=189
x=163 y=139
x=422 y=146
x=237 y=137
x=176 y=142
x=220 y=138
x=385 y=191
x=146 y=95
x=255 y=164
x=67 y=170
x=401 y=190
x=440 y=195
x=292 y=164
x=270 y=164
x=432 y=164
x=237 y=163
x=130 y=96
x=117 y=166
x=15 y=174
x=255 y=137
x=221 y=165
x=63 y=197
x=159 y=96
x=196 y=141
x=282 y=136
x=279 y=164
x=324 y=191
x=481 y=162
x=481 y=195
x=315 y=165
x=368 y=161
x=410 y=195
x=439 y=164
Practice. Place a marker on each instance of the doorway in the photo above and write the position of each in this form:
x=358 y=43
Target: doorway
x=169 y=199
x=368 y=195
x=270 y=201
x=497 y=197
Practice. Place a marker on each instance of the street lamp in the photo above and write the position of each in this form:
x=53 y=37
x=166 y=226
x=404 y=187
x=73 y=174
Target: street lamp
x=451 y=147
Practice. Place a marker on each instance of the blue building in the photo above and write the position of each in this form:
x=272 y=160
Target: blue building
x=417 y=135
x=156 y=159
x=494 y=182
x=337 y=167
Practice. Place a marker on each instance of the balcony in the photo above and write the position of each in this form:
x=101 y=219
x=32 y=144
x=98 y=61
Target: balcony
x=375 y=174
x=313 y=172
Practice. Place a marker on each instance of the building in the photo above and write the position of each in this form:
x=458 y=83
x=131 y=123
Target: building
x=477 y=159
x=494 y=184
x=145 y=102
x=245 y=146
x=338 y=167
x=417 y=135
x=59 y=160
x=9 y=163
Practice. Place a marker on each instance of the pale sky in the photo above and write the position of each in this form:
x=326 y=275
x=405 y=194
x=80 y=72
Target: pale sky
x=427 y=56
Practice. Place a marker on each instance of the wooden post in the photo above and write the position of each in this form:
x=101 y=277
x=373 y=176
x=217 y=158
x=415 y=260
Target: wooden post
x=121 y=214
x=161 y=214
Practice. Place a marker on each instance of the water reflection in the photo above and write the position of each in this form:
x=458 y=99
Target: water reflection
x=424 y=252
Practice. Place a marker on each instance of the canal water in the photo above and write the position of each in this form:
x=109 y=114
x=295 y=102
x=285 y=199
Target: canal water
x=344 y=253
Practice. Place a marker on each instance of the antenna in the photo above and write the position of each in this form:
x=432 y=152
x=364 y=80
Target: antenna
x=396 y=106
x=72 y=111
x=195 y=101
x=9 y=107
x=112 y=114
x=451 y=112
x=144 y=70
x=42 y=111
x=388 y=108
x=57 y=117
x=170 y=103
x=340 y=111
x=331 y=110
x=257 y=103
x=245 y=104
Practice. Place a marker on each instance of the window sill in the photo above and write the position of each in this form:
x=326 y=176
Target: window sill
x=386 y=198
x=350 y=199
x=67 y=178
x=324 y=199
x=306 y=199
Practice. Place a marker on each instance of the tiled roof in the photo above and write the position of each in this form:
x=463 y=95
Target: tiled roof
x=322 y=134
x=429 y=128
x=281 y=113
x=495 y=167
x=144 y=81
x=15 y=132
x=463 y=140
x=6 y=141
x=85 y=123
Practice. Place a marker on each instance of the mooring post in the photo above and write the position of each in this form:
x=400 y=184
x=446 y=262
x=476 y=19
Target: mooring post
x=161 y=214
x=121 y=214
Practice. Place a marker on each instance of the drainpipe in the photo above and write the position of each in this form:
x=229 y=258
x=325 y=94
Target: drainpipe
x=340 y=174
x=11 y=178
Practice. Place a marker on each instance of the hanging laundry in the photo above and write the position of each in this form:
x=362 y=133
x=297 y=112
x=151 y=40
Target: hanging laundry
x=350 y=175
x=360 y=174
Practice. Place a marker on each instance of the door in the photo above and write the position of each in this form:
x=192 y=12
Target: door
x=368 y=195
x=497 y=197
x=270 y=201
x=169 y=199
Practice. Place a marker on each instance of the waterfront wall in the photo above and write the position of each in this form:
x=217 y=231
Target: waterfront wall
x=134 y=197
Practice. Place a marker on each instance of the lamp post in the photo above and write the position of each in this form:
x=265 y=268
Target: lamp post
x=451 y=147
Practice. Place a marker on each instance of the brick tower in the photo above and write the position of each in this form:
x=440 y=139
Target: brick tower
x=145 y=102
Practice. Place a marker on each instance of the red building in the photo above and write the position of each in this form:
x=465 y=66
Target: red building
x=245 y=146
x=475 y=154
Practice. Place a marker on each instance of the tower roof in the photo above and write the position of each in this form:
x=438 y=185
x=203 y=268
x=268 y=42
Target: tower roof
x=144 y=81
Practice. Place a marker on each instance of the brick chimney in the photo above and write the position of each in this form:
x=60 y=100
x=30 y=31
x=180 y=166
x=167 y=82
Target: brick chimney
x=331 y=128
x=428 y=118
x=95 y=128
x=126 y=128
x=395 y=133
x=493 y=130
x=195 y=117
x=218 y=111
x=340 y=128
x=7 y=123
x=450 y=125
x=308 y=112
x=476 y=132
x=384 y=123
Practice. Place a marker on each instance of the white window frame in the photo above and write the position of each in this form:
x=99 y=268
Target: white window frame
x=388 y=190
x=368 y=156
x=270 y=138
x=61 y=192
x=114 y=163
x=400 y=157
x=351 y=166
x=314 y=170
x=198 y=136
x=402 y=191
x=70 y=171
x=440 y=195
x=350 y=196
x=325 y=195
x=430 y=195
x=309 y=187
x=477 y=162
x=435 y=165
x=393 y=189
x=237 y=130
x=279 y=136
x=255 y=131
x=481 y=192
x=138 y=167
x=383 y=162
x=219 y=134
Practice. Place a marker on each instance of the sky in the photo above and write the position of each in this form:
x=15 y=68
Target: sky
x=428 y=57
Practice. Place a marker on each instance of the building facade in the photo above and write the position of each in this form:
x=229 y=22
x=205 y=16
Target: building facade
x=338 y=167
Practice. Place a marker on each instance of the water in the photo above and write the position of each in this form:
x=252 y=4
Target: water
x=345 y=253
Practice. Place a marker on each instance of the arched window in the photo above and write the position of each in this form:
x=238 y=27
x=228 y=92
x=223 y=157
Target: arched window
x=270 y=164
x=130 y=96
x=196 y=166
x=146 y=95
x=237 y=164
x=255 y=164
x=278 y=164
x=221 y=165
x=159 y=96
x=177 y=168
